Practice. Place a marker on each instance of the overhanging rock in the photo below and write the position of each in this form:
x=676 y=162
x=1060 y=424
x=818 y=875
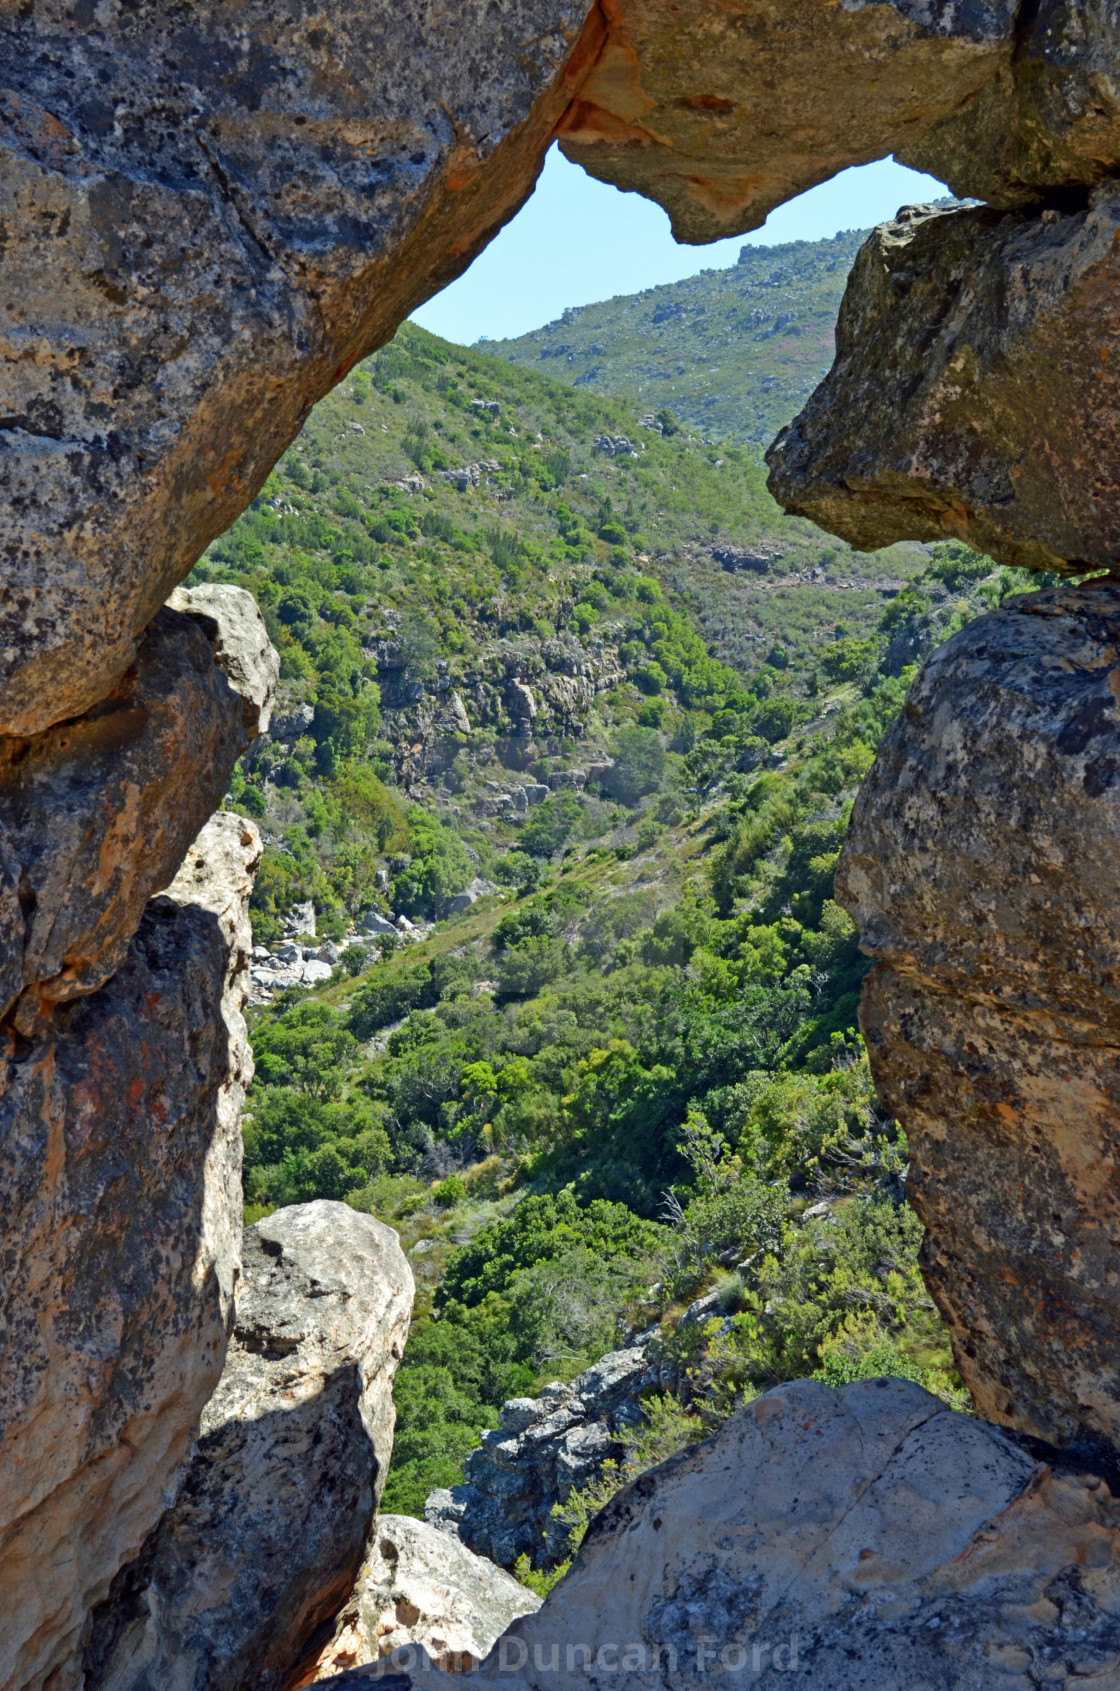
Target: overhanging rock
x=975 y=392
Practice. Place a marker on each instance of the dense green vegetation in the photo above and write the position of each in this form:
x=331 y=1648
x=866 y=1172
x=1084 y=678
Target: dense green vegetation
x=631 y=1073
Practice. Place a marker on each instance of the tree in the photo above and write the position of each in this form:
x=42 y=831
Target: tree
x=639 y=765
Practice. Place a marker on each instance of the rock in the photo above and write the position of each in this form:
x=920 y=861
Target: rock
x=476 y=889
x=301 y=919
x=542 y=1448
x=865 y=1539
x=373 y=923
x=725 y=112
x=328 y=954
x=316 y=973
x=536 y=791
x=521 y=701
x=175 y=322
x=1049 y=120
x=96 y=814
x=120 y=1188
x=970 y=394
x=420 y=1590
x=982 y=867
x=742 y=558
x=242 y=650
x=264 y=1540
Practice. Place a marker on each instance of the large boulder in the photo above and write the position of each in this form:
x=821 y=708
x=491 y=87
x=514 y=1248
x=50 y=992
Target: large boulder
x=420 y=1591
x=97 y=813
x=273 y=1514
x=983 y=868
x=120 y=1165
x=720 y=112
x=865 y=1539
x=209 y=216
x=975 y=390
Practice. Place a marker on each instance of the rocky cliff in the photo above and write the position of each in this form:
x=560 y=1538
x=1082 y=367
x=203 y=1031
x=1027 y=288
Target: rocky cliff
x=120 y=1119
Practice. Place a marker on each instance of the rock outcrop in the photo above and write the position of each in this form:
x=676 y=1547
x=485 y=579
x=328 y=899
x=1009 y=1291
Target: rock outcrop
x=273 y=1513
x=421 y=1591
x=97 y=813
x=542 y=1448
x=983 y=868
x=866 y=1539
x=975 y=390
x=209 y=216
x=120 y=1162
x=723 y=112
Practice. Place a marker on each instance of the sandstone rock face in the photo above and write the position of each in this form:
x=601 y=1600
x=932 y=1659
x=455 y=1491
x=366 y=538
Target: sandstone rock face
x=120 y=1162
x=541 y=1448
x=983 y=868
x=866 y=1539
x=419 y=1590
x=96 y=814
x=273 y=1514
x=210 y=215
x=722 y=112
x=1046 y=125
x=242 y=650
x=974 y=392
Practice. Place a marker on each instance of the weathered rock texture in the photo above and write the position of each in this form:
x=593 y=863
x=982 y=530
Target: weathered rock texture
x=209 y=215
x=983 y=867
x=120 y=1163
x=273 y=1515
x=722 y=112
x=420 y=1590
x=541 y=1448
x=97 y=813
x=976 y=390
x=867 y=1539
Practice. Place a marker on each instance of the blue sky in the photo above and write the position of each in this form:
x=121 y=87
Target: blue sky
x=578 y=240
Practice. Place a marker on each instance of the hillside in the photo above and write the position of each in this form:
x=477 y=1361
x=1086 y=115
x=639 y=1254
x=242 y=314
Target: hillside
x=734 y=353
x=571 y=720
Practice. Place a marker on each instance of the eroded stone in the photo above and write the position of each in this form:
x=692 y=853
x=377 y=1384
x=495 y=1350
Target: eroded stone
x=983 y=868
x=274 y=1511
x=97 y=813
x=210 y=215
x=866 y=1539
x=976 y=390
x=722 y=112
x=420 y=1589
x=120 y=1163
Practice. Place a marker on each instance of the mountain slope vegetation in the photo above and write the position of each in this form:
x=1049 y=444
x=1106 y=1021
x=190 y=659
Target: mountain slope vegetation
x=734 y=353
x=573 y=696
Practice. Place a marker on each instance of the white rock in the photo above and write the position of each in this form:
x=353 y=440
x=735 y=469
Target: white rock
x=422 y=1588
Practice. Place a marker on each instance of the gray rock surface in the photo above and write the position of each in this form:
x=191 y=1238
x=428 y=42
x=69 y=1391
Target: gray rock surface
x=120 y=1189
x=974 y=391
x=866 y=1539
x=210 y=215
x=96 y=814
x=983 y=868
x=264 y=1540
x=541 y=1449
x=420 y=1590
x=242 y=650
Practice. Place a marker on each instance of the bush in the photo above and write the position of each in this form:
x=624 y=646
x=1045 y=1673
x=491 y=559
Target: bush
x=639 y=765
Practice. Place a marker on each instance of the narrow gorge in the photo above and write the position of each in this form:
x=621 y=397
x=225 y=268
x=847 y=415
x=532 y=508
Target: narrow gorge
x=210 y=215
